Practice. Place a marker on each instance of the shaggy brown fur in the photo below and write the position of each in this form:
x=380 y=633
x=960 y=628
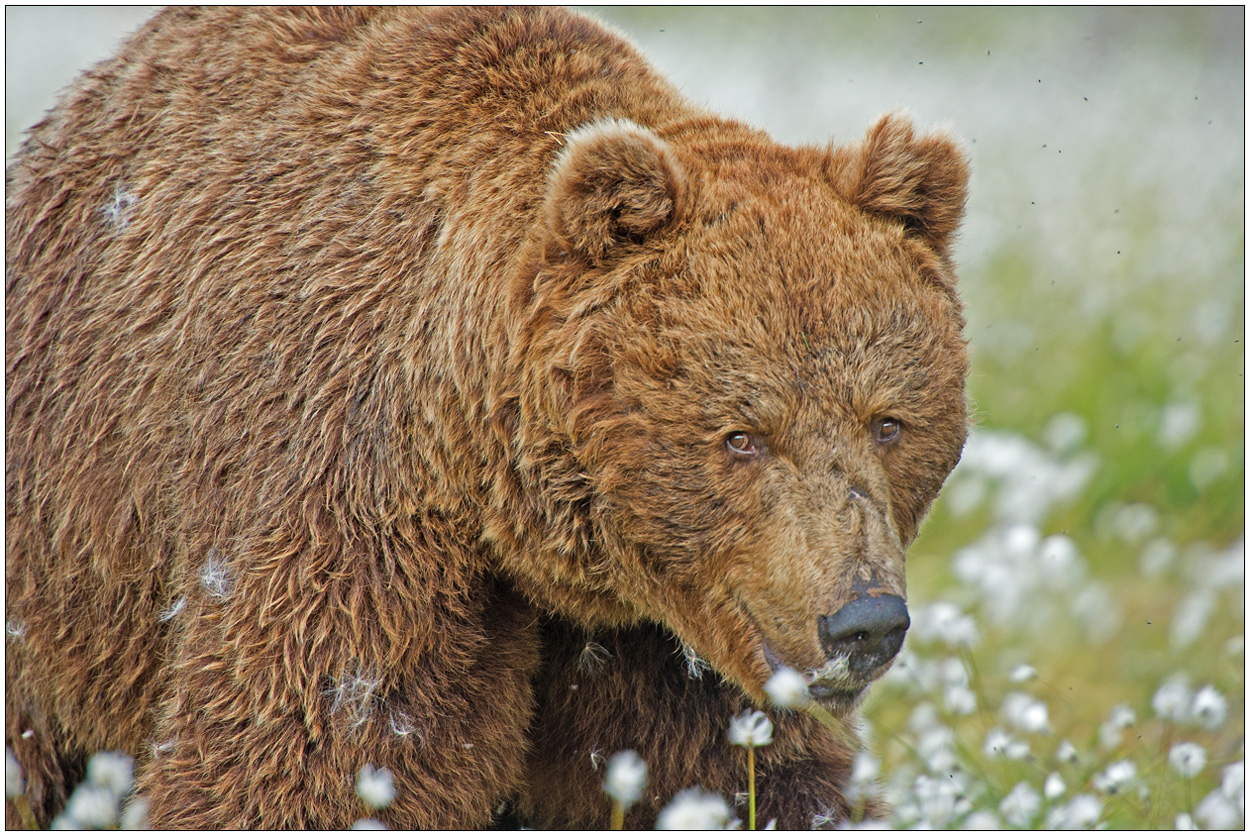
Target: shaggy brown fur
x=365 y=366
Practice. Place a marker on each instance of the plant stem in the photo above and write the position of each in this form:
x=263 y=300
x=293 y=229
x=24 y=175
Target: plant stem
x=751 y=786
x=618 y=816
x=25 y=813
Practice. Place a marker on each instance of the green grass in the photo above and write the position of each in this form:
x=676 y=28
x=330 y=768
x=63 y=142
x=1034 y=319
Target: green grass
x=1158 y=530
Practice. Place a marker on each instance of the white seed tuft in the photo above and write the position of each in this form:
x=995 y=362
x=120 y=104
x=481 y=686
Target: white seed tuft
x=626 y=777
x=1117 y=776
x=788 y=689
x=376 y=786
x=215 y=576
x=1209 y=708
x=1023 y=673
x=1171 y=701
x=1188 y=759
x=135 y=814
x=114 y=771
x=14 y=785
x=90 y=807
x=752 y=728
x=1020 y=805
x=354 y=697
x=695 y=665
x=368 y=824
x=592 y=657
x=695 y=809
x=1026 y=713
x=175 y=610
x=1081 y=813
x=119 y=206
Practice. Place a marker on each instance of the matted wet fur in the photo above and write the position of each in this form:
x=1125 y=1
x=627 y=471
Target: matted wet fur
x=364 y=368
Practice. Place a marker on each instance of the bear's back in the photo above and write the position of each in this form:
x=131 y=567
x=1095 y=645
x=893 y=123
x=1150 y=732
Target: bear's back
x=252 y=265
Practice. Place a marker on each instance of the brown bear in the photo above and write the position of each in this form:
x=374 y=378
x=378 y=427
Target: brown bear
x=441 y=390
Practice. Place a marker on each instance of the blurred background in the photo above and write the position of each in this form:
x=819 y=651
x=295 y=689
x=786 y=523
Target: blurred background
x=1088 y=554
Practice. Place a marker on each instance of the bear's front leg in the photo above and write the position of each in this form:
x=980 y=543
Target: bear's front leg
x=272 y=712
x=633 y=688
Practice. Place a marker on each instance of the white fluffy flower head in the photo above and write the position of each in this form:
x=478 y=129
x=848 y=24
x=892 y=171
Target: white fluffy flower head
x=1188 y=759
x=751 y=729
x=1209 y=708
x=788 y=689
x=375 y=786
x=14 y=785
x=1117 y=776
x=627 y=775
x=1020 y=805
x=1026 y=713
x=694 y=809
x=114 y=771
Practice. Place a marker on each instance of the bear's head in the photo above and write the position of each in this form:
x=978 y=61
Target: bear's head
x=740 y=385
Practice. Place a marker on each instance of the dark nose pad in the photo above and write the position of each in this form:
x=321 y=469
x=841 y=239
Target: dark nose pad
x=868 y=631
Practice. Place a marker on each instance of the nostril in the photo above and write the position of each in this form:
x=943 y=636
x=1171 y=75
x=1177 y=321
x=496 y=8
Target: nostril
x=869 y=631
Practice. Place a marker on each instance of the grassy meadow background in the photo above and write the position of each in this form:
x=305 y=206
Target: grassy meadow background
x=1077 y=656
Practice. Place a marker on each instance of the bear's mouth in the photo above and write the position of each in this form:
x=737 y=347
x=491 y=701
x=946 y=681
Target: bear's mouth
x=831 y=684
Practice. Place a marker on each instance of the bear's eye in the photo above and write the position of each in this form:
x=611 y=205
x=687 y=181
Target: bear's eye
x=886 y=430
x=741 y=444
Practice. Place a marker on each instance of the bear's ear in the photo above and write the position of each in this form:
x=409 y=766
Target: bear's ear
x=614 y=182
x=922 y=182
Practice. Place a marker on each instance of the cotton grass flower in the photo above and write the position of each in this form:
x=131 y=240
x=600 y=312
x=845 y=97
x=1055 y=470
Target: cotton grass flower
x=944 y=622
x=368 y=824
x=375 y=786
x=1020 y=805
x=1109 y=733
x=695 y=809
x=114 y=771
x=1054 y=786
x=1184 y=821
x=981 y=820
x=626 y=777
x=1026 y=713
x=1233 y=783
x=1023 y=673
x=135 y=814
x=959 y=699
x=1116 y=777
x=89 y=808
x=1216 y=812
x=788 y=689
x=1188 y=759
x=1171 y=701
x=15 y=790
x=96 y=803
x=863 y=782
x=937 y=801
x=624 y=782
x=1209 y=708
x=1066 y=753
x=998 y=742
x=14 y=785
x=751 y=729
x=1081 y=813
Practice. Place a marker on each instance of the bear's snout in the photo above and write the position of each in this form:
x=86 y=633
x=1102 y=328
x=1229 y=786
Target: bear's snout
x=868 y=633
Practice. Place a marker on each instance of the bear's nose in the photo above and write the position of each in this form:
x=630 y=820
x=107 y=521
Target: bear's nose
x=868 y=632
